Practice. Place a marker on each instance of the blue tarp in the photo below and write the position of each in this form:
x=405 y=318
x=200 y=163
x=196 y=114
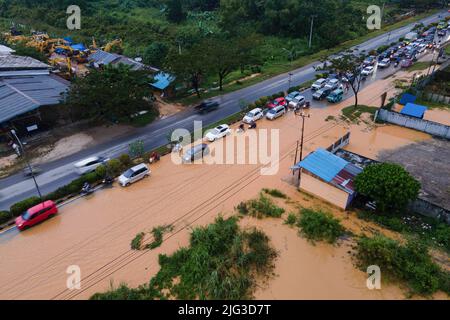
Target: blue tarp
x=414 y=110
x=78 y=46
x=407 y=98
x=323 y=164
x=162 y=80
x=68 y=40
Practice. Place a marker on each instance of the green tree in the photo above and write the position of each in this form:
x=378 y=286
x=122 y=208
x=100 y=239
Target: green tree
x=155 y=53
x=389 y=185
x=175 y=12
x=111 y=94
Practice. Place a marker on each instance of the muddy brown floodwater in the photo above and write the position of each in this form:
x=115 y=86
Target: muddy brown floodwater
x=94 y=233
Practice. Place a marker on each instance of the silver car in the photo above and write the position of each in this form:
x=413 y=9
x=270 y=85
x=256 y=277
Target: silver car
x=134 y=174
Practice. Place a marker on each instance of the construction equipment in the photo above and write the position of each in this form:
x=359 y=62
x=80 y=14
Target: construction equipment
x=64 y=65
x=110 y=45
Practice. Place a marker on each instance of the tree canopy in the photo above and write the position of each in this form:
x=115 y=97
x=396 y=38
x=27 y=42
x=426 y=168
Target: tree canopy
x=389 y=185
x=111 y=93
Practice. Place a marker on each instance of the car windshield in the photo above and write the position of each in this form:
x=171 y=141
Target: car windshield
x=298 y=99
x=215 y=131
x=26 y=215
x=128 y=173
x=250 y=115
x=271 y=111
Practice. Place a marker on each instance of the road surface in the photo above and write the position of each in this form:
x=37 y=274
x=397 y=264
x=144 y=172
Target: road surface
x=60 y=172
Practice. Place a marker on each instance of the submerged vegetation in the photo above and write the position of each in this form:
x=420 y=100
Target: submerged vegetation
x=319 y=226
x=222 y=261
x=157 y=233
x=260 y=208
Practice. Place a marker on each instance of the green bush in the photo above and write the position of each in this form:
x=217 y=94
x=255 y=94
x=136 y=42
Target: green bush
x=114 y=166
x=137 y=241
x=319 y=226
x=410 y=263
x=275 y=193
x=101 y=171
x=158 y=233
x=20 y=207
x=242 y=208
x=291 y=219
x=125 y=160
x=222 y=262
x=5 y=216
x=264 y=207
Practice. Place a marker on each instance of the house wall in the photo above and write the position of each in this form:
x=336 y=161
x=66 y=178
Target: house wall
x=324 y=190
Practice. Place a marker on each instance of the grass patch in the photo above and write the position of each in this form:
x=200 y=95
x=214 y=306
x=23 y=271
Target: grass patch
x=222 y=262
x=419 y=66
x=428 y=230
x=275 y=193
x=319 y=226
x=409 y=264
x=262 y=207
x=158 y=233
x=143 y=119
x=352 y=113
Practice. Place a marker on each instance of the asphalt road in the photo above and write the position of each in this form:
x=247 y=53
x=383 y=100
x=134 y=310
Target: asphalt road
x=60 y=172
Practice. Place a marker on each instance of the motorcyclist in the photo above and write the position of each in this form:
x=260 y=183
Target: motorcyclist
x=86 y=187
x=154 y=157
x=252 y=125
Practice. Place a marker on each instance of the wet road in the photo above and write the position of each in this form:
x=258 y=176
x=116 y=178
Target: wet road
x=61 y=172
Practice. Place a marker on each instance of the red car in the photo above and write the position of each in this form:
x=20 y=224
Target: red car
x=36 y=214
x=277 y=102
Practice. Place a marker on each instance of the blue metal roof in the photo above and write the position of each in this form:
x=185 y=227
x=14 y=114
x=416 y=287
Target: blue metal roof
x=78 y=46
x=414 y=110
x=162 y=80
x=407 y=98
x=323 y=164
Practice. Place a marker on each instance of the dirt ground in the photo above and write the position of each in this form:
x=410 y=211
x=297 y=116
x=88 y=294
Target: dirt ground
x=94 y=233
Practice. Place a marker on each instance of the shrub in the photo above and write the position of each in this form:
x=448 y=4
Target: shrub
x=158 y=233
x=114 y=166
x=242 y=208
x=275 y=193
x=408 y=263
x=101 y=171
x=319 y=226
x=291 y=219
x=20 y=207
x=222 y=262
x=137 y=241
x=5 y=216
x=264 y=207
x=125 y=160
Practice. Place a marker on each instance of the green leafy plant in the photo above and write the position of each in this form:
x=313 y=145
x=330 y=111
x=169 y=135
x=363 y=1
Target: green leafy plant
x=291 y=219
x=264 y=207
x=319 y=226
x=275 y=193
x=136 y=243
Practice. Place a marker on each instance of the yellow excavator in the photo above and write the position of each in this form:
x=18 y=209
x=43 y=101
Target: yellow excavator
x=64 y=65
x=115 y=43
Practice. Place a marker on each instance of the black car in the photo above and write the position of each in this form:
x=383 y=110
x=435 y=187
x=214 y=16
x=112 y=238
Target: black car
x=207 y=106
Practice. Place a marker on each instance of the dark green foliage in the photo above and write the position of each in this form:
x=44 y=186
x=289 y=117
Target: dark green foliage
x=275 y=193
x=5 y=216
x=264 y=207
x=410 y=264
x=242 y=208
x=111 y=94
x=136 y=243
x=222 y=262
x=291 y=219
x=319 y=226
x=391 y=186
x=175 y=12
x=158 y=233
x=20 y=207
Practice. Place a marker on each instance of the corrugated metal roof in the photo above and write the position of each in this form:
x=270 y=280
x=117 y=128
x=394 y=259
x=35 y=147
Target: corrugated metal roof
x=323 y=164
x=414 y=110
x=103 y=57
x=19 y=95
x=5 y=50
x=344 y=179
x=11 y=62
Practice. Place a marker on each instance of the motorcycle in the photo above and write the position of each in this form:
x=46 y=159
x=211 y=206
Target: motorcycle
x=86 y=189
x=108 y=181
x=252 y=125
x=154 y=157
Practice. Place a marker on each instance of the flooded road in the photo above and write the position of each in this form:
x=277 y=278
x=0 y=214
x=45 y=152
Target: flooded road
x=94 y=233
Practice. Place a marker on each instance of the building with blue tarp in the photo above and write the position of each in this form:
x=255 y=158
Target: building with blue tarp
x=163 y=81
x=414 y=110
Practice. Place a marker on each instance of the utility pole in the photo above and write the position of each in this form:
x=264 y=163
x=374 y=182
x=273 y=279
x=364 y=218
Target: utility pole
x=13 y=132
x=311 y=31
x=295 y=160
x=303 y=115
x=290 y=80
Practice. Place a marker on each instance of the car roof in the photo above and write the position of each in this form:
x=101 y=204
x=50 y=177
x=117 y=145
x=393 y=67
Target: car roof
x=139 y=166
x=86 y=161
x=41 y=206
x=255 y=110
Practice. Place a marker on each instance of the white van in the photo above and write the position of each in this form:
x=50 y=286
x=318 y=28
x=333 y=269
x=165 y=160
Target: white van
x=275 y=112
x=134 y=174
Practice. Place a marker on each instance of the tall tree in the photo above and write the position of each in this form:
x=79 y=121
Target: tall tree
x=110 y=94
x=175 y=12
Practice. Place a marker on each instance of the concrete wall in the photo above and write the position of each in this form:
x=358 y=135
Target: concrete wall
x=429 y=209
x=323 y=190
x=433 y=128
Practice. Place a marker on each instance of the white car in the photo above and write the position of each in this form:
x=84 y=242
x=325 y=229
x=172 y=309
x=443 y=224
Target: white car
x=253 y=115
x=275 y=112
x=297 y=102
x=89 y=164
x=367 y=71
x=319 y=84
x=332 y=84
x=134 y=174
x=384 y=63
x=218 y=132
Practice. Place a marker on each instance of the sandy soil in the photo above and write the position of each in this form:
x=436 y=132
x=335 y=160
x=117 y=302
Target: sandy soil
x=95 y=233
x=64 y=147
x=166 y=109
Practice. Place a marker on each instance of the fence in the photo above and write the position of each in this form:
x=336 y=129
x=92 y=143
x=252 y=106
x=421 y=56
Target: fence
x=342 y=142
x=433 y=128
x=429 y=209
